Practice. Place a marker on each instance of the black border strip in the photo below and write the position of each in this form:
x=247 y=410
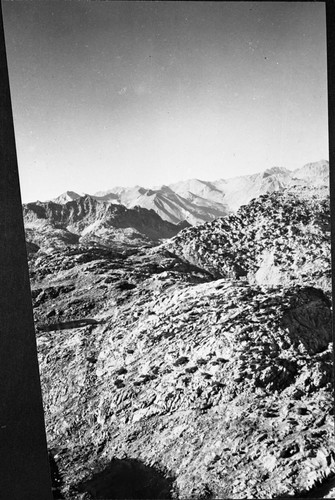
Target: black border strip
x=24 y=467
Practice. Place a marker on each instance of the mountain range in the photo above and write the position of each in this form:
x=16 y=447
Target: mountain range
x=198 y=201
x=183 y=361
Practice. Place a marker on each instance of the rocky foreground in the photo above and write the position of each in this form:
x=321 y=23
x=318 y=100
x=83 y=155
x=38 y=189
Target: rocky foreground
x=199 y=368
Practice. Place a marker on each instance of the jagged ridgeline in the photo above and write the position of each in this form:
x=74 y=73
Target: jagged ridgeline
x=86 y=221
x=186 y=363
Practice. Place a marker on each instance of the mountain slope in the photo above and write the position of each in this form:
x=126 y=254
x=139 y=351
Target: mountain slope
x=277 y=238
x=87 y=220
x=170 y=205
x=316 y=173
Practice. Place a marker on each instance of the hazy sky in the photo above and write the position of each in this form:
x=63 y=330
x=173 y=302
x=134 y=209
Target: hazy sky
x=109 y=93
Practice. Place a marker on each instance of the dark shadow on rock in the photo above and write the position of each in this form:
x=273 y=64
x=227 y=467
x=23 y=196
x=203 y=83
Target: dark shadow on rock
x=318 y=491
x=309 y=322
x=56 y=480
x=124 y=285
x=67 y=325
x=128 y=479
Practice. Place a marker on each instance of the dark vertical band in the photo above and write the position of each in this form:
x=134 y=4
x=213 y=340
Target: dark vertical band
x=330 y=16
x=24 y=468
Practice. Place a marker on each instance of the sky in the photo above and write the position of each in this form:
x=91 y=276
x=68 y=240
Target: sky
x=109 y=93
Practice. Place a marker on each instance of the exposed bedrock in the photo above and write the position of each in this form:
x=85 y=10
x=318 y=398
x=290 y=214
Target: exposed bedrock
x=224 y=386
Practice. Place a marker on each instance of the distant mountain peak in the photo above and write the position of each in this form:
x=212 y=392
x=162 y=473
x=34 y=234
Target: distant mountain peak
x=67 y=196
x=275 y=171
